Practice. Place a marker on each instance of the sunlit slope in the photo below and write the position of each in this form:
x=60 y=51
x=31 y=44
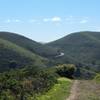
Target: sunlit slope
x=29 y=44
x=83 y=47
x=10 y=52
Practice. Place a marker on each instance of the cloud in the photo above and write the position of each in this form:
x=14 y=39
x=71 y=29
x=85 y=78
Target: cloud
x=56 y=19
x=8 y=21
x=83 y=21
x=12 y=21
x=46 y=19
x=77 y=19
x=52 y=19
x=16 y=20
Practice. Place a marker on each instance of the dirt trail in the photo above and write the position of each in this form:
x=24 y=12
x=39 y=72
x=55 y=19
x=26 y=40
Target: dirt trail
x=74 y=91
x=85 y=90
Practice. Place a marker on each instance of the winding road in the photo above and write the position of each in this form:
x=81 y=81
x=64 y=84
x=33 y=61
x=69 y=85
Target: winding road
x=60 y=55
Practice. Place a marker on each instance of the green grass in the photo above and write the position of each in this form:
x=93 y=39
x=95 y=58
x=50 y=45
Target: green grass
x=97 y=78
x=59 y=91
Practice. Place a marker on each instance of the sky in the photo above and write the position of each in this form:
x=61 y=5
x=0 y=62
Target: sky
x=48 y=20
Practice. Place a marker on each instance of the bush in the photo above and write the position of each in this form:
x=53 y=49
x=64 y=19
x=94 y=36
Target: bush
x=12 y=64
x=66 y=70
x=97 y=78
x=6 y=95
x=24 y=83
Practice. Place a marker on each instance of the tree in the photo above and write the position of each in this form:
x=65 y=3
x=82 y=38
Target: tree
x=66 y=70
x=12 y=64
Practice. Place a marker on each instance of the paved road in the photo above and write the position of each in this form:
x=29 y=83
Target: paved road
x=60 y=55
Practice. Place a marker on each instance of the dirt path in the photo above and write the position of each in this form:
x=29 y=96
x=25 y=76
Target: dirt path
x=74 y=91
x=85 y=90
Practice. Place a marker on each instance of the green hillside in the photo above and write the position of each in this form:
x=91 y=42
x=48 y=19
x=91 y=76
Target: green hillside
x=75 y=56
x=29 y=44
x=81 y=47
x=12 y=55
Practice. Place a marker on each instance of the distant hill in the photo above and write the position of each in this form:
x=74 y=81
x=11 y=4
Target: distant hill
x=33 y=46
x=80 y=47
x=19 y=51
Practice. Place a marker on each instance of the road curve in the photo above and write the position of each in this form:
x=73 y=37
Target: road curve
x=60 y=55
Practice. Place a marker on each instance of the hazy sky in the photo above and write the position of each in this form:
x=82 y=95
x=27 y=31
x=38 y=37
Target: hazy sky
x=47 y=20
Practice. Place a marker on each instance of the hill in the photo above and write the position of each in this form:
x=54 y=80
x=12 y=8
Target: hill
x=29 y=44
x=14 y=55
x=80 y=47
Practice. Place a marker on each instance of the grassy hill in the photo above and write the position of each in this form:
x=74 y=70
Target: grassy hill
x=80 y=47
x=15 y=56
x=29 y=44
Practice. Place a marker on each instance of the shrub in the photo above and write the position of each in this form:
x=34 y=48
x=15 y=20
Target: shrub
x=12 y=64
x=66 y=70
x=97 y=77
x=24 y=83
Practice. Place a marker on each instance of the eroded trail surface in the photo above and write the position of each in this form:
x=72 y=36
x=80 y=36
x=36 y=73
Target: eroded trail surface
x=85 y=90
x=74 y=91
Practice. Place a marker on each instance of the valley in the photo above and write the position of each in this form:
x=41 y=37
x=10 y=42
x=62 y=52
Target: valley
x=49 y=50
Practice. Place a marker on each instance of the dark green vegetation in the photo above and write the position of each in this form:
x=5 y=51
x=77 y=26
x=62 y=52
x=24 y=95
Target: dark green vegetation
x=29 y=44
x=66 y=70
x=60 y=91
x=81 y=48
x=74 y=56
x=28 y=83
x=83 y=73
x=22 y=84
x=22 y=51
